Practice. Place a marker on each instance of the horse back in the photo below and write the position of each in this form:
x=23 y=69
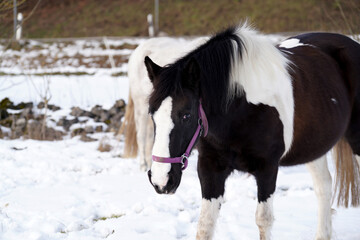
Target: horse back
x=325 y=71
x=344 y=50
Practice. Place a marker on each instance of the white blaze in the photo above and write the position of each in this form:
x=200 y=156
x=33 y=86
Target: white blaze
x=164 y=125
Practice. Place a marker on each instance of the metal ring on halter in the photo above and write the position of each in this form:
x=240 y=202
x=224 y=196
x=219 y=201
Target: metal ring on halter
x=200 y=123
x=184 y=159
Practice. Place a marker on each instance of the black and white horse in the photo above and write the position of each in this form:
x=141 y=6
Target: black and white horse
x=256 y=107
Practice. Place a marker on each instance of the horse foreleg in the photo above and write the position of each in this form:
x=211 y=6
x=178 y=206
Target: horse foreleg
x=322 y=185
x=209 y=213
x=212 y=188
x=266 y=183
x=141 y=119
x=265 y=218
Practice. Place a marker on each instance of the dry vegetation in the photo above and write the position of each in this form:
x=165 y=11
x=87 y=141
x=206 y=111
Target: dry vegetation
x=82 y=18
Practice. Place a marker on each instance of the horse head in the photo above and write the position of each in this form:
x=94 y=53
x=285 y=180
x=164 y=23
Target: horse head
x=178 y=119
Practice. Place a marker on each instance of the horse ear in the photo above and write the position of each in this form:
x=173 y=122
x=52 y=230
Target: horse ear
x=191 y=74
x=152 y=68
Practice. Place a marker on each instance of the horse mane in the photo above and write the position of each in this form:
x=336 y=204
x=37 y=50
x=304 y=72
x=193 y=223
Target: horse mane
x=235 y=62
x=218 y=51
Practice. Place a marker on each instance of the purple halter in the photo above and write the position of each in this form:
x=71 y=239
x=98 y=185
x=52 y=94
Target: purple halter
x=202 y=126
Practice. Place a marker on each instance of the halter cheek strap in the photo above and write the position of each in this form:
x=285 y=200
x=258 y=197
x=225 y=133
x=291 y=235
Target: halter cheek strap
x=202 y=128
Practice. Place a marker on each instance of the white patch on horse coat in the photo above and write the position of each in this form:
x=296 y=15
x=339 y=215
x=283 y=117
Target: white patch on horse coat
x=164 y=125
x=265 y=217
x=208 y=216
x=322 y=186
x=291 y=43
x=262 y=73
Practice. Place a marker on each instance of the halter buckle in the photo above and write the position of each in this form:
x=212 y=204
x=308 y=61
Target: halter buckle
x=184 y=160
x=200 y=123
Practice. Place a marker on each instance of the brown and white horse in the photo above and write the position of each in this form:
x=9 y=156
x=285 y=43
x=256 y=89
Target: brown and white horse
x=258 y=107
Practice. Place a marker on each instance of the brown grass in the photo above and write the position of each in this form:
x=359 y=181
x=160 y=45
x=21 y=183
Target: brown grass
x=104 y=145
x=82 y=18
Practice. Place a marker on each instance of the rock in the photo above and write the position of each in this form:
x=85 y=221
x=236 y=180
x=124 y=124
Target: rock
x=27 y=113
x=86 y=138
x=78 y=131
x=66 y=124
x=89 y=129
x=41 y=105
x=4 y=105
x=118 y=107
x=97 y=110
x=18 y=127
x=104 y=116
x=54 y=108
x=88 y=114
x=120 y=103
x=23 y=105
x=99 y=128
x=77 y=112
x=21 y=122
x=113 y=111
x=7 y=122
x=35 y=131
x=51 y=107
x=3 y=114
x=115 y=122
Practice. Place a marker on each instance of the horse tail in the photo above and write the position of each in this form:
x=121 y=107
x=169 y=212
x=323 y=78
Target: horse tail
x=128 y=128
x=347 y=178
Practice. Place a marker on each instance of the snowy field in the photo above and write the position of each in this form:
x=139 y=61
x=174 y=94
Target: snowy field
x=69 y=190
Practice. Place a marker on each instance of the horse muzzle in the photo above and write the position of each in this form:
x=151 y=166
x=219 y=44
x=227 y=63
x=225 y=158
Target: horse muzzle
x=173 y=182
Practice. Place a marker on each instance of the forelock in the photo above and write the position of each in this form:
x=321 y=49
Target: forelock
x=167 y=83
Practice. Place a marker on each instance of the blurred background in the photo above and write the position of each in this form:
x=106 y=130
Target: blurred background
x=88 y=18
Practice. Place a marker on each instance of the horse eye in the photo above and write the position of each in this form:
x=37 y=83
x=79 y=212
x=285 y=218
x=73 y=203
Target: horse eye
x=186 y=117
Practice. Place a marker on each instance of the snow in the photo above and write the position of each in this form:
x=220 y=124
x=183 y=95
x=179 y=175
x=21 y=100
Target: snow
x=69 y=190
x=82 y=91
x=60 y=190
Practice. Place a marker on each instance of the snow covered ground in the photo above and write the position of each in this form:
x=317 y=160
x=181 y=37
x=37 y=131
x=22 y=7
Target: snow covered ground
x=69 y=190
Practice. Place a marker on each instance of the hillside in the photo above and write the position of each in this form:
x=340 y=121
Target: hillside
x=85 y=18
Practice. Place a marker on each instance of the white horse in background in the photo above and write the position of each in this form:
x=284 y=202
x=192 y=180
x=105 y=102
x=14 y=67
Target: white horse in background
x=137 y=125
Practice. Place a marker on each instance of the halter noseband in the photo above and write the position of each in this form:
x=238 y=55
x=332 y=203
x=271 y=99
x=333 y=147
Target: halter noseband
x=202 y=127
